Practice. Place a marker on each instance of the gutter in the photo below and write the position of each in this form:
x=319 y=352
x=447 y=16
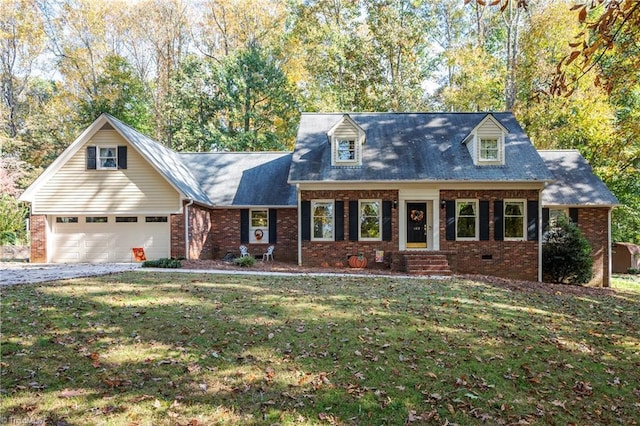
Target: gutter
x=186 y=228
x=540 y=233
x=299 y=225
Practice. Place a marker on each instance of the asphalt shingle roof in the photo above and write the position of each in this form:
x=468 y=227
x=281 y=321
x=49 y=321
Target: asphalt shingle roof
x=413 y=147
x=574 y=184
x=243 y=178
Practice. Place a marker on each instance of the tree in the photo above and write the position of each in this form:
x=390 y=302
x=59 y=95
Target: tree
x=12 y=212
x=566 y=254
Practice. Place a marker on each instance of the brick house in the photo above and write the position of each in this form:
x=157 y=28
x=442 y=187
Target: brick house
x=428 y=193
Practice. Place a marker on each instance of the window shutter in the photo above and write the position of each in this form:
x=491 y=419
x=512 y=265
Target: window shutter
x=545 y=219
x=273 y=226
x=386 y=221
x=353 y=220
x=573 y=214
x=532 y=220
x=122 y=157
x=450 y=211
x=91 y=158
x=484 y=220
x=244 y=226
x=305 y=232
x=338 y=220
x=498 y=227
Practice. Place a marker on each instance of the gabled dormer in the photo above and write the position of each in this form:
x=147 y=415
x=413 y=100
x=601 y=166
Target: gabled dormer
x=486 y=142
x=346 y=138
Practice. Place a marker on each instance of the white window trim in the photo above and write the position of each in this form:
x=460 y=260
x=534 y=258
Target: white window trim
x=360 y=203
x=337 y=150
x=477 y=233
x=524 y=219
x=500 y=142
x=333 y=219
x=99 y=165
x=252 y=229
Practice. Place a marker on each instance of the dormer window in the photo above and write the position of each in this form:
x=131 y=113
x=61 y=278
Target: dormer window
x=490 y=149
x=107 y=157
x=346 y=150
x=346 y=138
x=486 y=142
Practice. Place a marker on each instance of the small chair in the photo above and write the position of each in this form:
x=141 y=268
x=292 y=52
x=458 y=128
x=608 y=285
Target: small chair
x=268 y=254
x=244 y=251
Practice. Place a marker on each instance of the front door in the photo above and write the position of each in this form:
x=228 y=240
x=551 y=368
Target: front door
x=416 y=225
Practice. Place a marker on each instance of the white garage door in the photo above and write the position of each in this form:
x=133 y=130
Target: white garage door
x=107 y=238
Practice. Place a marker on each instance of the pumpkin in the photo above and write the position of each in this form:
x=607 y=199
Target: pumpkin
x=358 y=261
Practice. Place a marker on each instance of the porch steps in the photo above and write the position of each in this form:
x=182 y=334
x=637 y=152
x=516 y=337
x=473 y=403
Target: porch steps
x=427 y=264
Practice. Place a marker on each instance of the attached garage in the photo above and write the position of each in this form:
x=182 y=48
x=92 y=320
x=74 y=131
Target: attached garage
x=107 y=238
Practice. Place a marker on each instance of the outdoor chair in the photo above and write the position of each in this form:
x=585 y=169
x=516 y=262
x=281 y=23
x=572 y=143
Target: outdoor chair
x=268 y=254
x=244 y=251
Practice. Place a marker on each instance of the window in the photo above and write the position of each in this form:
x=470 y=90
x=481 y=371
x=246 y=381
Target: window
x=67 y=219
x=370 y=220
x=322 y=220
x=107 y=157
x=346 y=149
x=466 y=220
x=514 y=220
x=126 y=219
x=259 y=226
x=554 y=214
x=96 y=219
x=150 y=219
x=489 y=150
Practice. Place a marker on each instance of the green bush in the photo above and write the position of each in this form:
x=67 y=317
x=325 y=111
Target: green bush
x=566 y=254
x=162 y=263
x=245 y=261
x=633 y=271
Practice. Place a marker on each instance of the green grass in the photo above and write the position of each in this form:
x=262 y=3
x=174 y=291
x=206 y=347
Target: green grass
x=143 y=348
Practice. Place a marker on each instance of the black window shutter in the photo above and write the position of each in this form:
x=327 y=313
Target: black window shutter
x=305 y=232
x=386 y=221
x=498 y=227
x=338 y=220
x=573 y=214
x=122 y=157
x=244 y=226
x=273 y=226
x=91 y=158
x=450 y=211
x=484 y=220
x=532 y=220
x=545 y=219
x=353 y=220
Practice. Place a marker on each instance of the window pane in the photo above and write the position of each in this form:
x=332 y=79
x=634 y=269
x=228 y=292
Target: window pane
x=466 y=227
x=67 y=219
x=370 y=219
x=514 y=219
x=489 y=149
x=513 y=209
x=346 y=150
x=322 y=220
x=467 y=209
x=259 y=218
x=107 y=157
x=122 y=219
x=152 y=219
x=96 y=219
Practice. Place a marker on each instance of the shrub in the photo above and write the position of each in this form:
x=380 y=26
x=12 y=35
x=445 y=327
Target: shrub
x=633 y=271
x=162 y=263
x=245 y=261
x=566 y=254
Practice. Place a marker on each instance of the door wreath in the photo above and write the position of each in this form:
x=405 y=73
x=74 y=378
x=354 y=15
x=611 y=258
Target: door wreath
x=258 y=233
x=417 y=215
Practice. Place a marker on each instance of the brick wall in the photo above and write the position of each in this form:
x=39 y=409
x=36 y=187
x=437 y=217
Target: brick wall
x=507 y=259
x=177 y=235
x=38 y=228
x=593 y=222
x=225 y=235
x=336 y=253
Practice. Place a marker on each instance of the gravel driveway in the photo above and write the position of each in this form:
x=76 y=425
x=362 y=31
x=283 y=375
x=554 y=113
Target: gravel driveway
x=23 y=273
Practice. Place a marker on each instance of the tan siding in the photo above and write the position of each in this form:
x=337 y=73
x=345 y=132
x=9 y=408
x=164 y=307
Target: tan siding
x=138 y=189
x=489 y=129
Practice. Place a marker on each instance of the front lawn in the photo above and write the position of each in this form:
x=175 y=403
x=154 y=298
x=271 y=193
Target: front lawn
x=143 y=348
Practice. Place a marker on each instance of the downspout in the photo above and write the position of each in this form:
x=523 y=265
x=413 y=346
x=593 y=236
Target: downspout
x=186 y=229
x=299 y=224
x=540 y=231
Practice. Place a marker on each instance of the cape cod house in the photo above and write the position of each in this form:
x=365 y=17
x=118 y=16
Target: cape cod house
x=429 y=193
